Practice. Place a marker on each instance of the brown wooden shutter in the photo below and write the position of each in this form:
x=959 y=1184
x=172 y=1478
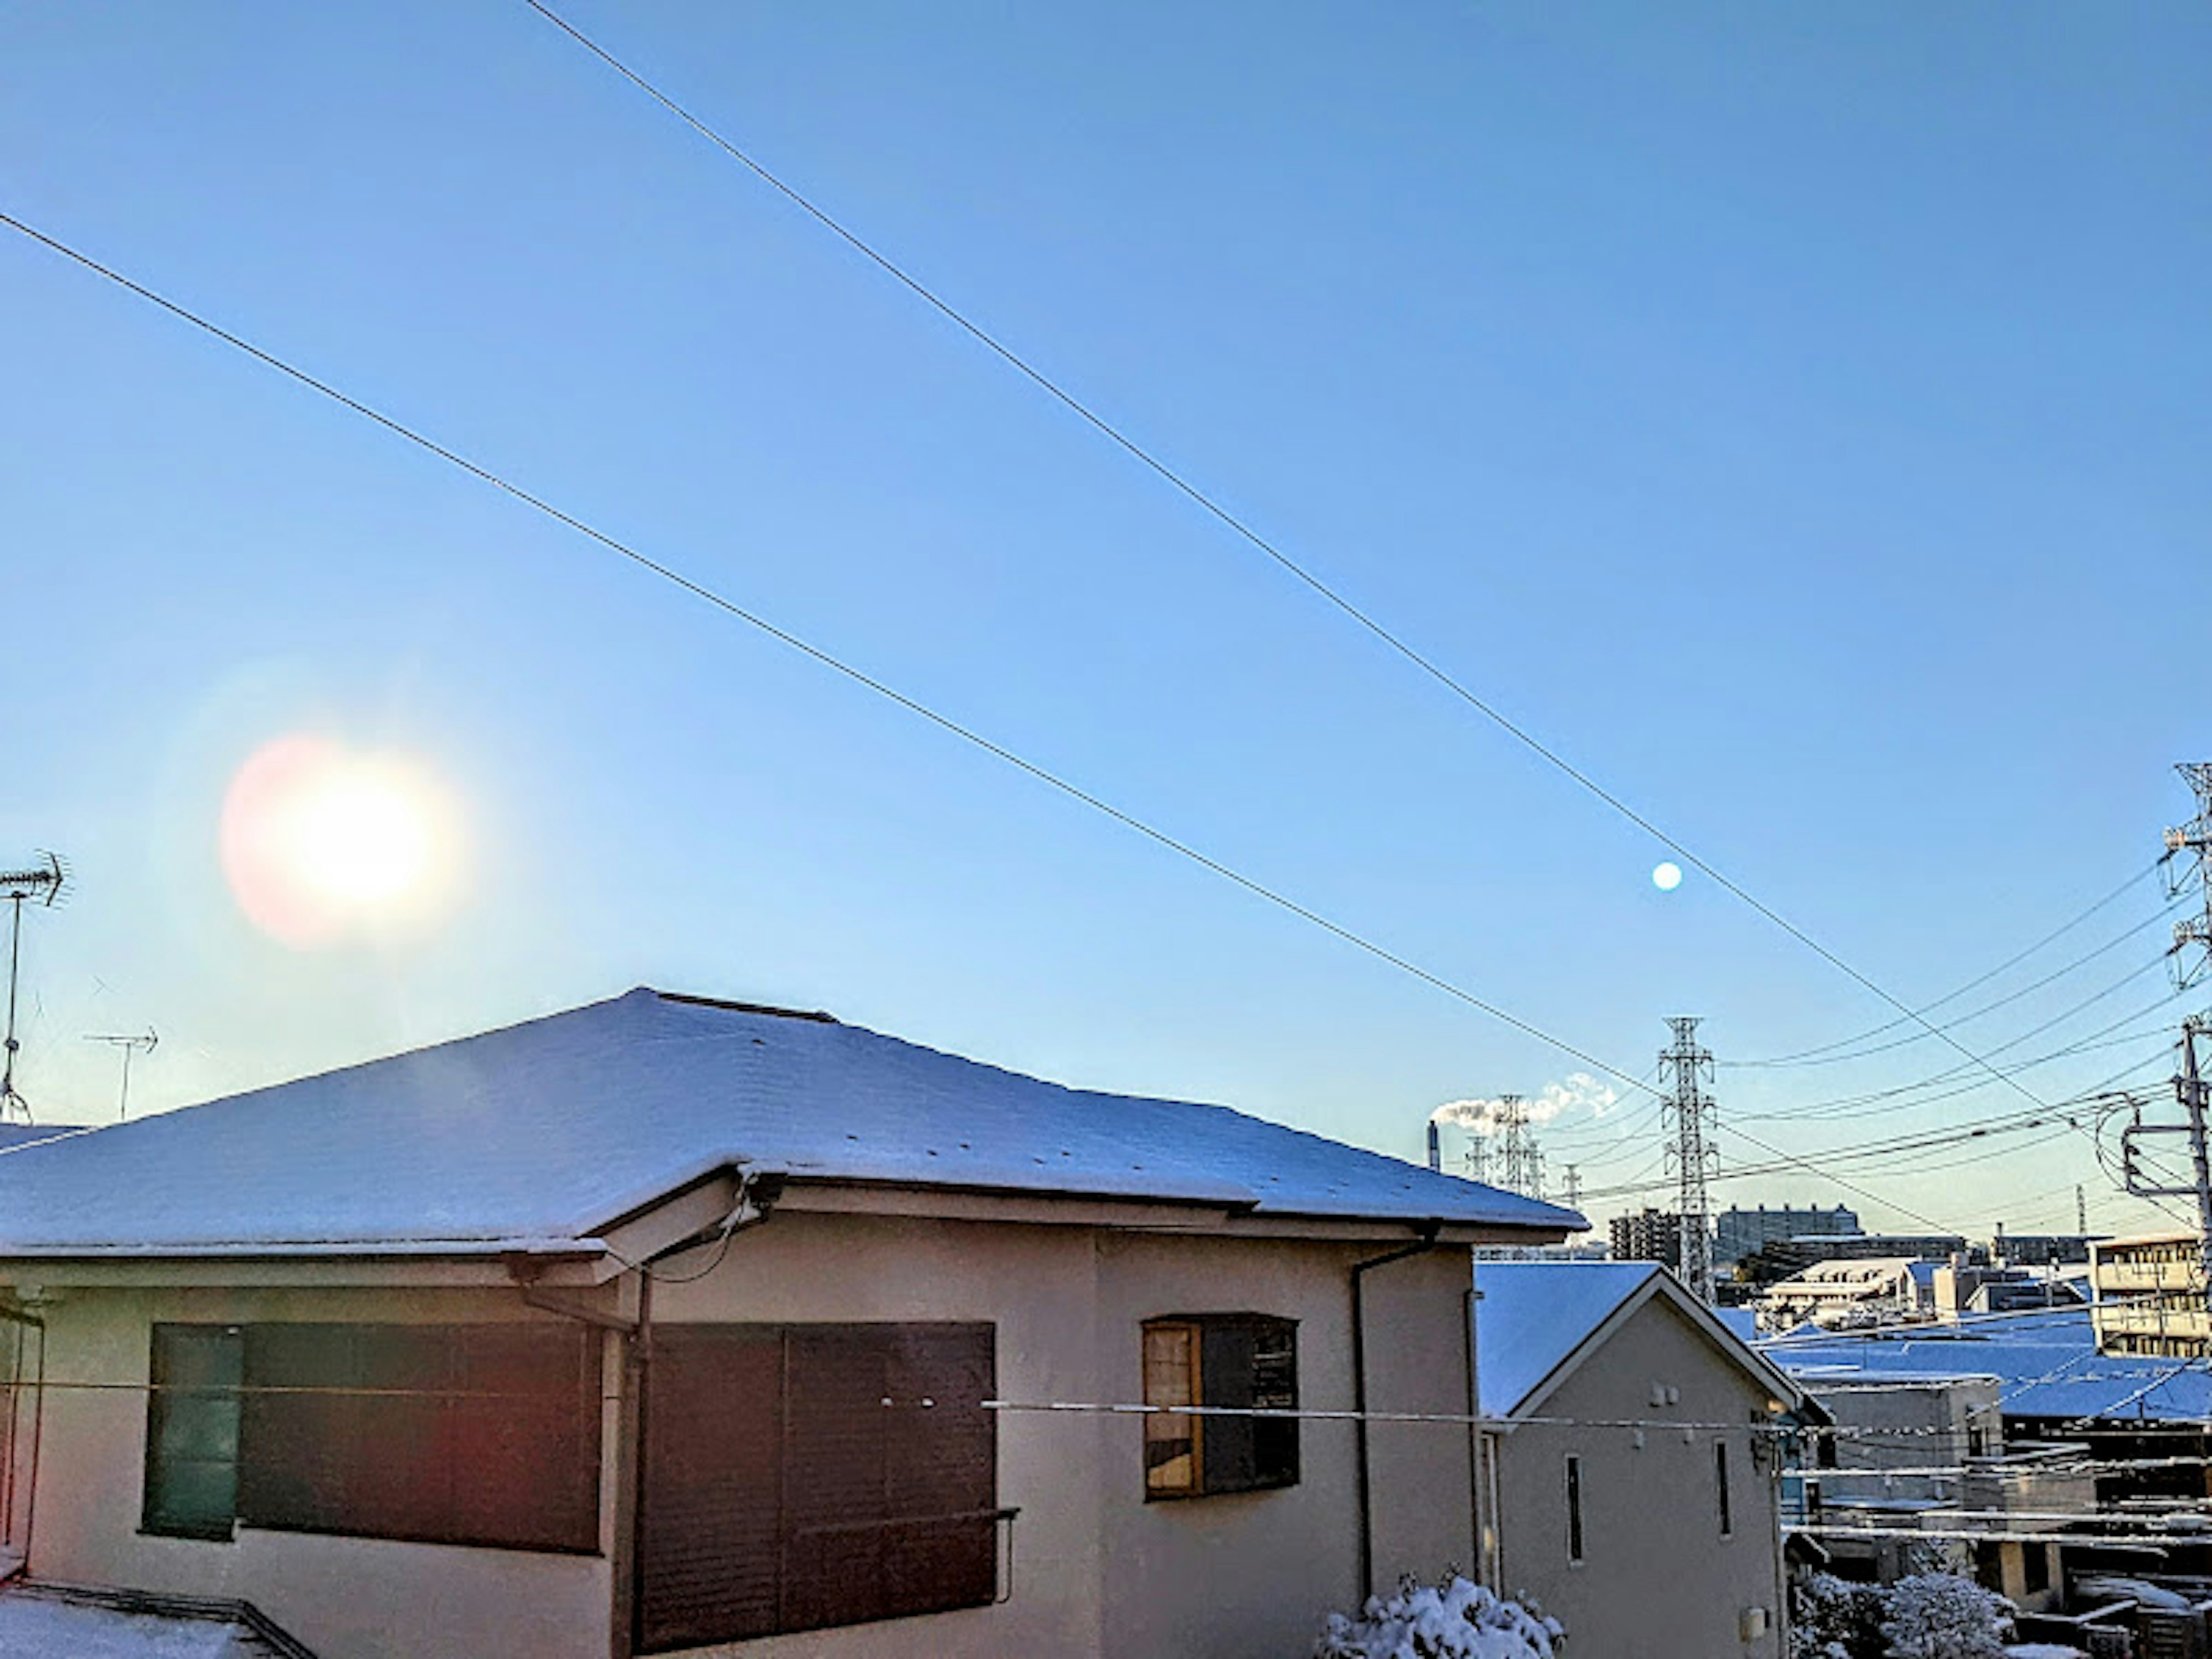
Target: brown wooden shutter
x=710 y=1524
x=445 y=1433
x=942 y=1471
x=783 y=1493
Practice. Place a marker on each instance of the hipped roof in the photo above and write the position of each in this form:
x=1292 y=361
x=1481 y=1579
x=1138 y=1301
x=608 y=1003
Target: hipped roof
x=539 y=1135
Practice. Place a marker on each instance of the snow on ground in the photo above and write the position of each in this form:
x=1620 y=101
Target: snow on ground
x=34 y=1628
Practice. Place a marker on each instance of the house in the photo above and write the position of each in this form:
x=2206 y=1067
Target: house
x=664 y=1324
x=1635 y=1461
x=2076 y=1433
x=1850 y=1290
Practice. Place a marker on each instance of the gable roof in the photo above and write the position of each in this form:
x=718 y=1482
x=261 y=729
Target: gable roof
x=1537 y=1321
x=538 y=1135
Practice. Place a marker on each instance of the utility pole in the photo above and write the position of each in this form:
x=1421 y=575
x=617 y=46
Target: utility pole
x=1692 y=1066
x=2191 y=952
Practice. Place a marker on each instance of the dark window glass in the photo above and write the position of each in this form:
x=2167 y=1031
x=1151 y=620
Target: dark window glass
x=191 y=1436
x=2036 y=1563
x=1574 y=1508
x=1243 y=1362
x=462 y=1434
x=799 y=1477
x=1720 y=1486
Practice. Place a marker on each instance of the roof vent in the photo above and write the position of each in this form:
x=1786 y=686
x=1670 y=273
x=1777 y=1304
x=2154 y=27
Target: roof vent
x=814 y=1014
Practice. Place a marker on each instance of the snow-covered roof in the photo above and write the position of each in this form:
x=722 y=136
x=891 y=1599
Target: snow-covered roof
x=1535 y=1321
x=539 y=1133
x=1530 y=1316
x=2046 y=1366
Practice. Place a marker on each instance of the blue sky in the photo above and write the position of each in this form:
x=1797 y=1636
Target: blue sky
x=1796 y=417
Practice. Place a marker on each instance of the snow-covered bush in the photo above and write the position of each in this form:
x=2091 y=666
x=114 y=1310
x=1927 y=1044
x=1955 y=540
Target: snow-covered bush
x=1940 y=1615
x=1832 y=1618
x=1454 y=1621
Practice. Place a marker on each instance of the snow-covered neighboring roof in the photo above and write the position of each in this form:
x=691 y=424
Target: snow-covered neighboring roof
x=542 y=1133
x=1535 y=1320
x=1530 y=1316
x=2046 y=1366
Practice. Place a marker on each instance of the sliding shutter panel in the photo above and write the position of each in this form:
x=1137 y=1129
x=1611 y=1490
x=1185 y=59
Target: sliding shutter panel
x=942 y=1474
x=708 y=1528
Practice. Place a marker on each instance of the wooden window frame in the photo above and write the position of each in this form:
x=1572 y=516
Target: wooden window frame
x=1251 y=1454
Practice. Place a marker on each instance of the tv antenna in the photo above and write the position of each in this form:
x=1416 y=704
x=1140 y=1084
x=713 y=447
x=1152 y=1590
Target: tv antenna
x=146 y=1041
x=42 y=883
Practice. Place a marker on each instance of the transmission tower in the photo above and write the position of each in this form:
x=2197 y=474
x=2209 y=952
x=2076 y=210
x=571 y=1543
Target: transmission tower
x=1476 y=1157
x=1691 y=1067
x=1520 y=1162
x=1574 y=1192
x=42 y=883
x=2192 y=936
x=2080 y=1211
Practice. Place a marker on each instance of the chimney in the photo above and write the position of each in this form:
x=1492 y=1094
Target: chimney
x=1436 y=1152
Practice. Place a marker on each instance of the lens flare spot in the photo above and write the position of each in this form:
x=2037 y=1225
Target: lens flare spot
x=1667 y=877
x=321 y=843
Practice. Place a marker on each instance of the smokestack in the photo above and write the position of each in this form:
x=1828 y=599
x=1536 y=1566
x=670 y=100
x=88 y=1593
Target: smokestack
x=1436 y=1152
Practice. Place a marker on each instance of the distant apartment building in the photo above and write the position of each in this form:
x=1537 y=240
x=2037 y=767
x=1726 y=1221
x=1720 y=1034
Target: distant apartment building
x=1648 y=1235
x=2042 y=1249
x=2150 y=1295
x=1779 y=1258
x=1738 y=1233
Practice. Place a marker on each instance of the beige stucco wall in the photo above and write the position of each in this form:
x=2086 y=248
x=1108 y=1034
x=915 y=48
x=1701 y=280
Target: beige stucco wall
x=1098 y=1571
x=346 y=1598
x=1658 y=1580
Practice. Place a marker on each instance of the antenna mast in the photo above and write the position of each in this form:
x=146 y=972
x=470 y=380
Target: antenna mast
x=1692 y=1066
x=148 y=1041
x=44 y=883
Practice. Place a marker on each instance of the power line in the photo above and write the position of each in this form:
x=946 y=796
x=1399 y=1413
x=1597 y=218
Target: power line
x=825 y=658
x=1237 y=526
x=881 y=689
x=1953 y=1024
x=1953 y=995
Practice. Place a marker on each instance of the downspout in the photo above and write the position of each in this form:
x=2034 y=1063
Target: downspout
x=1428 y=1231
x=756 y=1197
x=16 y=1315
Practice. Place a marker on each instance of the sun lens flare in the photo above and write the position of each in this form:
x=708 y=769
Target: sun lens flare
x=321 y=844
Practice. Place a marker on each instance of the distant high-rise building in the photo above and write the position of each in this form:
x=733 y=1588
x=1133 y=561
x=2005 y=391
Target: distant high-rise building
x=1648 y=1236
x=1738 y=1233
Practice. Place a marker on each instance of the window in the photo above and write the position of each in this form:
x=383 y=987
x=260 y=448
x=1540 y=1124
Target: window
x=192 y=1438
x=1237 y=1360
x=1574 y=1510
x=1720 y=1486
x=2035 y=1565
x=453 y=1434
x=802 y=1476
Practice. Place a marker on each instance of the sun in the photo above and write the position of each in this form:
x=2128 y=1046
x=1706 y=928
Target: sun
x=1667 y=877
x=321 y=842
